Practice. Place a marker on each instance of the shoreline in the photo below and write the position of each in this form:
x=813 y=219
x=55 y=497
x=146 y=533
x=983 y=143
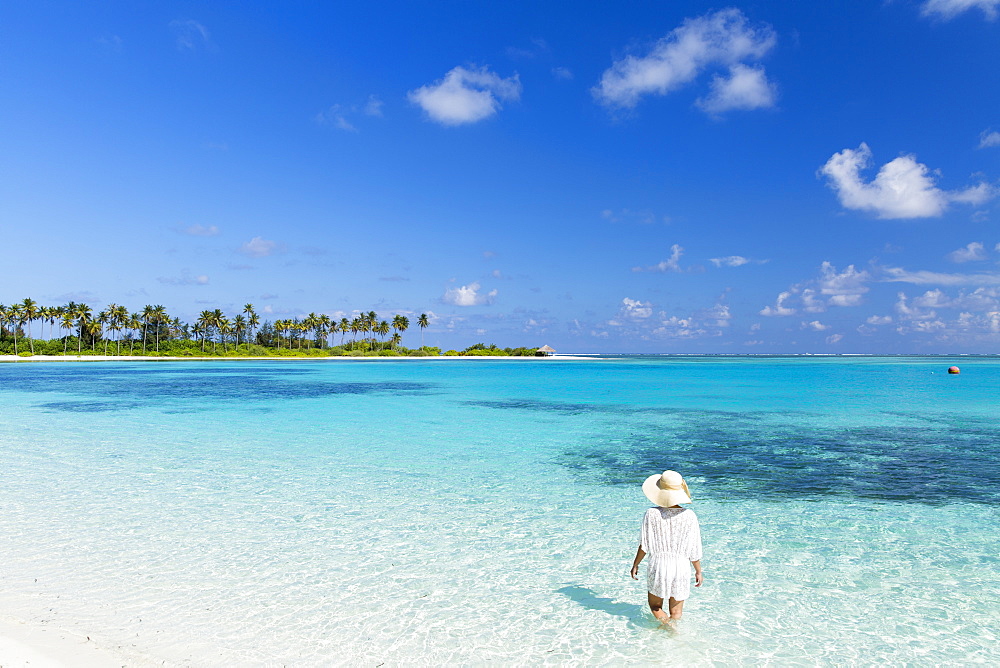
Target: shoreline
x=337 y=358
x=23 y=644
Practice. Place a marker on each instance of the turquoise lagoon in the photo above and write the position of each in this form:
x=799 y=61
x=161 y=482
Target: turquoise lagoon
x=310 y=513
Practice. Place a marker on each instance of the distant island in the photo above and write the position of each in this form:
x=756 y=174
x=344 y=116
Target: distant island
x=153 y=332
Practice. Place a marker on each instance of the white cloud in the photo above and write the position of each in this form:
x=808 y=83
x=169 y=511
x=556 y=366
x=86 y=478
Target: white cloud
x=834 y=338
x=465 y=95
x=913 y=313
x=259 y=247
x=184 y=280
x=972 y=252
x=975 y=195
x=980 y=299
x=845 y=288
x=977 y=321
x=811 y=302
x=718 y=315
x=723 y=38
x=634 y=309
x=949 y=9
x=903 y=188
x=340 y=115
x=900 y=275
x=336 y=116
x=931 y=299
x=879 y=320
x=468 y=295
x=373 y=107
x=816 y=326
x=201 y=230
x=672 y=264
x=191 y=35
x=830 y=288
x=989 y=139
x=744 y=88
x=562 y=73
x=729 y=261
x=779 y=307
x=679 y=328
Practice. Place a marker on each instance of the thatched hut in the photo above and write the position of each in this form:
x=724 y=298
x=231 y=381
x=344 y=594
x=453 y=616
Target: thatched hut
x=544 y=350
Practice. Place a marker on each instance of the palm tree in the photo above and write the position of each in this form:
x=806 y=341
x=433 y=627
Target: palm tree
x=159 y=316
x=400 y=324
x=120 y=317
x=147 y=316
x=300 y=329
x=216 y=322
x=332 y=327
x=134 y=323
x=326 y=326
x=345 y=326
x=83 y=315
x=44 y=313
x=239 y=326
x=396 y=339
x=368 y=322
x=29 y=309
x=52 y=314
x=204 y=327
x=279 y=328
x=93 y=328
x=372 y=325
x=66 y=322
x=252 y=320
x=14 y=315
x=311 y=324
x=103 y=317
x=225 y=327
x=422 y=323
x=382 y=329
x=198 y=331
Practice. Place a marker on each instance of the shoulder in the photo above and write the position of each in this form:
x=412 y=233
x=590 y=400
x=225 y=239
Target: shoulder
x=652 y=512
x=689 y=515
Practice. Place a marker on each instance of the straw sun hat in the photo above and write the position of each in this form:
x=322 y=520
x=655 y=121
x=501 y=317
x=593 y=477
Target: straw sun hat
x=667 y=489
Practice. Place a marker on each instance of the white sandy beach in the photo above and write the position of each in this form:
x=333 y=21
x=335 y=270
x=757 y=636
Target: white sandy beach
x=140 y=358
x=24 y=645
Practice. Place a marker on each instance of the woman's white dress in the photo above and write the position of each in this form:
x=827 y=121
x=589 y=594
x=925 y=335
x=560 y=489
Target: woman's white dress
x=671 y=538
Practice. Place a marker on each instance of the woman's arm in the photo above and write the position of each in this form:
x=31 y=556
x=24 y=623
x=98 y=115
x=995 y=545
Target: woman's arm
x=639 y=554
x=698 y=578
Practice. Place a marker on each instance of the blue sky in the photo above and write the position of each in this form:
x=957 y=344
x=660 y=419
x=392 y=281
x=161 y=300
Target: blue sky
x=633 y=177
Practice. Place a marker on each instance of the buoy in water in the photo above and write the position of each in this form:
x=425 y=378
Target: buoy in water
x=954 y=369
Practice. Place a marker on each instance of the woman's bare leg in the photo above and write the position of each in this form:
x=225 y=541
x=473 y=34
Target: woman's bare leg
x=656 y=605
x=676 y=608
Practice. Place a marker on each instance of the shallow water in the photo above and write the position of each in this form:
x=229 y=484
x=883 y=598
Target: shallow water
x=476 y=511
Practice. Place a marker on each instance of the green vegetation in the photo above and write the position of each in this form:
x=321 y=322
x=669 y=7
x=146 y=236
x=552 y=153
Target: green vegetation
x=152 y=332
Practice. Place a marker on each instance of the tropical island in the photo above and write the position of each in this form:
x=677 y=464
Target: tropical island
x=75 y=329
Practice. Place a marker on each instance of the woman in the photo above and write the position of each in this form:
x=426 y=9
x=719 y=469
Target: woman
x=672 y=538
